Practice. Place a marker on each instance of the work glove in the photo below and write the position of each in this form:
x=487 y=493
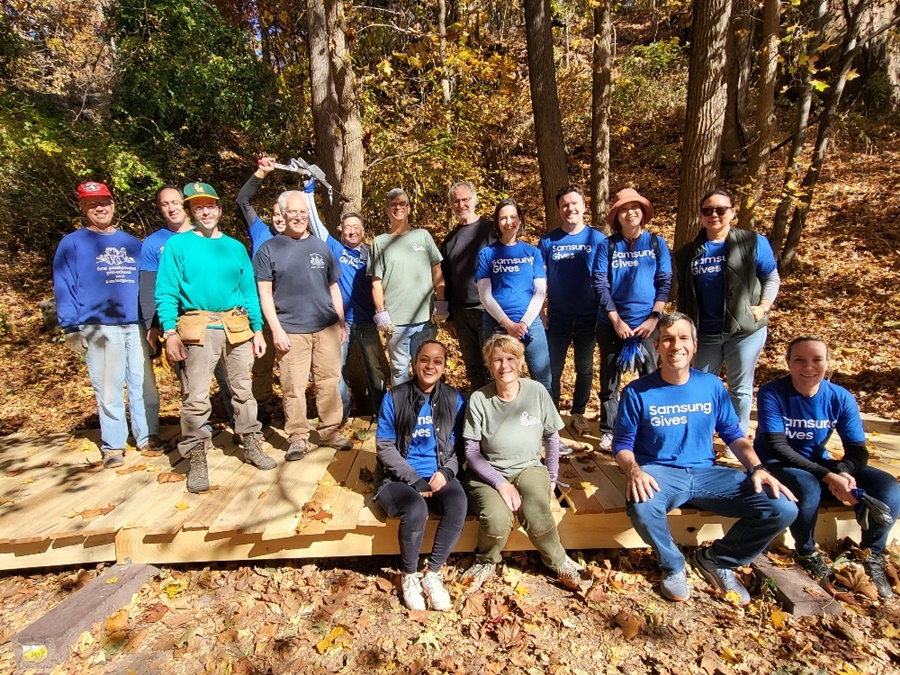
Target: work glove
x=76 y=342
x=309 y=185
x=383 y=322
x=632 y=357
x=441 y=312
x=870 y=509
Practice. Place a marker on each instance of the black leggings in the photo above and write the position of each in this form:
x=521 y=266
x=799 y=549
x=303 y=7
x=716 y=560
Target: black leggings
x=403 y=500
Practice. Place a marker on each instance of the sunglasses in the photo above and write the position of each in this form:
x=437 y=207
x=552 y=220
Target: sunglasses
x=718 y=210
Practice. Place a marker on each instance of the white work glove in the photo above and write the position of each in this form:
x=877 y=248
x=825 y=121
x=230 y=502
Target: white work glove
x=383 y=322
x=76 y=342
x=441 y=312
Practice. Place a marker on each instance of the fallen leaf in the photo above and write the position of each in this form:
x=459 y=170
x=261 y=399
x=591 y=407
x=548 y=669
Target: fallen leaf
x=151 y=453
x=99 y=511
x=629 y=623
x=132 y=469
x=361 y=434
x=112 y=580
x=170 y=477
x=328 y=642
x=153 y=613
x=263 y=495
x=430 y=641
x=779 y=619
x=27 y=481
x=117 y=622
x=182 y=506
x=730 y=657
x=187 y=636
x=385 y=585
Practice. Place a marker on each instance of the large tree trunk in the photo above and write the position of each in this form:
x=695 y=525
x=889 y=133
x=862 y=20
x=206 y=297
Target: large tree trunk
x=600 y=101
x=349 y=122
x=329 y=147
x=740 y=55
x=849 y=48
x=545 y=106
x=705 y=113
x=765 y=114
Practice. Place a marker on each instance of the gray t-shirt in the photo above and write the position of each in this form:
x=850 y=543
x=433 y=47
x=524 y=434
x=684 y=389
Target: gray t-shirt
x=511 y=432
x=403 y=262
x=301 y=272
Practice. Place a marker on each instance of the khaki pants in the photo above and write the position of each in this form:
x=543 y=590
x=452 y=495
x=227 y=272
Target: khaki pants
x=321 y=353
x=197 y=374
x=263 y=379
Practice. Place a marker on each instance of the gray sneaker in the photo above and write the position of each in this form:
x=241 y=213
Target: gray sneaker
x=570 y=574
x=477 y=574
x=338 y=442
x=606 y=441
x=297 y=450
x=112 y=458
x=580 y=425
x=413 y=596
x=674 y=586
x=254 y=453
x=720 y=578
x=565 y=450
x=198 y=474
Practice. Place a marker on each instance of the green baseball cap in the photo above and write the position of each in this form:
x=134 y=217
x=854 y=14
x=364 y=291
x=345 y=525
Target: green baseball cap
x=193 y=190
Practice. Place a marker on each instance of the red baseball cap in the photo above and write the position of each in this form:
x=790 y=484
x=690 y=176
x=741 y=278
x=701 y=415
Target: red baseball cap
x=92 y=189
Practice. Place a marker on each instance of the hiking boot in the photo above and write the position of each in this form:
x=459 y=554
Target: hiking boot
x=154 y=444
x=674 y=586
x=814 y=565
x=254 y=453
x=412 y=591
x=874 y=567
x=112 y=458
x=477 y=574
x=580 y=425
x=438 y=596
x=338 y=442
x=297 y=450
x=569 y=574
x=198 y=474
x=606 y=441
x=721 y=579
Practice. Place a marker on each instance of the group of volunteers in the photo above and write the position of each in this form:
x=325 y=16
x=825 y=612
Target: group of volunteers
x=305 y=297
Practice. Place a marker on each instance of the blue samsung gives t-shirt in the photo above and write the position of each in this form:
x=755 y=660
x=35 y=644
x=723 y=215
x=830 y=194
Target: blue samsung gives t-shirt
x=512 y=271
x=709 y=280
x=673 y=424
x=806 y=421
x=570 y=259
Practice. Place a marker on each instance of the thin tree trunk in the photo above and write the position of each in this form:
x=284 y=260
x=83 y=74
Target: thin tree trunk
x=600 y=104
x=545 y=106
x=765 y=114
x=790 y=191
x=849 y=49
x=705 y=114
x=442 y=34
x=740 y=52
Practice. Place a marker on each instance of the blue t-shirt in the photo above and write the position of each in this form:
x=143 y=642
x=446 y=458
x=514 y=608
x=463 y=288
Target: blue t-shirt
x=570 y=260
x=259 y=234
x=355 y=284
x=709 y=280
x=152 y=249
x=95 y=278
x=512 y=271
x=422 y=455
x=639 y=278
x=807 y=421
x=673 y=424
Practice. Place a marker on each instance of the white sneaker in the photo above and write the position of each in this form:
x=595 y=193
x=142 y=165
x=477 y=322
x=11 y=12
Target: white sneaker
x=434 y=589
x=412 y=591
x=606 y=441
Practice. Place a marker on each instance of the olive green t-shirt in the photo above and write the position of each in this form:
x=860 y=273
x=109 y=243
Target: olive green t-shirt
x=511 y=432
x=403 y=262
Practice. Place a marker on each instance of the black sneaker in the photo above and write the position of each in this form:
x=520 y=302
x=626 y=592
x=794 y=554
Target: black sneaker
x=874 y=567
x=814 y=565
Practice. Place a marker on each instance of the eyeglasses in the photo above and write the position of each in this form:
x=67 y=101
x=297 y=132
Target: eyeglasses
x=296 y=213
x=106 y=203
x=718 y=210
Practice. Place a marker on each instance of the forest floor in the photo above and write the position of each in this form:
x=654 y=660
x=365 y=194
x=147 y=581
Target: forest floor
x=345 y=615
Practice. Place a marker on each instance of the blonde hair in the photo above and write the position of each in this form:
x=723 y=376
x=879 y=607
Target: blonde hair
x=505 y=343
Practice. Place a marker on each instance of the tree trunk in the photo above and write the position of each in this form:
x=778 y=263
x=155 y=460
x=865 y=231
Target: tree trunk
x=705 y=114
x=600 y=102
x=349 y=121
x=442 y=35
x=790 y=191
x=849 y=49
x=765 y=114
x=739 y=54
x=545 y=106
x=329 y=146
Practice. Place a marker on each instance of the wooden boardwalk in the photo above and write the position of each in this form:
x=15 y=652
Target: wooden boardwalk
x=58 y=506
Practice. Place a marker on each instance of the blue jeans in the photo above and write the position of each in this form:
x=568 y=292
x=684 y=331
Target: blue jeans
x=723 y=491
x=811 y=492
x=402 y=345
x=610 y=348
x=365 y=334
x=580 y=334
x=537 y=354
x=740 y=354
x=118 y=356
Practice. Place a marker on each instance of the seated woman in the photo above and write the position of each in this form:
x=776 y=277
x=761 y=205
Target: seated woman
x=418 y=459
x=512 y=284
x=797 y=415
x=508 y=423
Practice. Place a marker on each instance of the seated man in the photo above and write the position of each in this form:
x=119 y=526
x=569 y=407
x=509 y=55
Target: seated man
x=663 y=444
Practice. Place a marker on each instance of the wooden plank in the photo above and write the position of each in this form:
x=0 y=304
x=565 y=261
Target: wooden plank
x=604 y=495
x=576 y=500
x=77 y=551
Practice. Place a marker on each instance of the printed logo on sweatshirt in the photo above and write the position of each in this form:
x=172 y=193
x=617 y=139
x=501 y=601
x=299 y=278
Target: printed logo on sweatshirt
x=115 y=256
x=423 y=427
x=630 y=258
x=568 y=251
x=316 y=261
x=709 y=264
x=418 y=248
x=805 y=430
x=527 y=420
x=117 y=265
x=672 y=415
x=501 y=265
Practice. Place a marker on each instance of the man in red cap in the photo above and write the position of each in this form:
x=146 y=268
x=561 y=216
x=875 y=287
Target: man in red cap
x=95 y=281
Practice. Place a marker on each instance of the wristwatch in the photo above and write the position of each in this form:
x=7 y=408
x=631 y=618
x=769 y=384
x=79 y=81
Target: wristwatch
x=656 y=315
x=758 y=467
x=169 y=333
